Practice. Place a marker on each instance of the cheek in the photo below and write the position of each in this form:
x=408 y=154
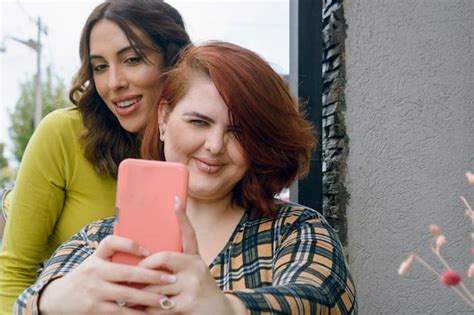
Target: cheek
x=177 y=143
x=150 y=78
x=238 y=153
x=152 y=87
x=100 y=86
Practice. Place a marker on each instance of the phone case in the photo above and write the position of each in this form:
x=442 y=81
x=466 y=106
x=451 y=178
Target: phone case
x=145 y=204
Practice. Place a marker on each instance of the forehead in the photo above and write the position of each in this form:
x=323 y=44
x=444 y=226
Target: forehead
x=203 y=97
x=107 y=33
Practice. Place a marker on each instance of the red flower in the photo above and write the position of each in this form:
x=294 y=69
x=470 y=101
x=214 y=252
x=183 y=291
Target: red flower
x=450 y=278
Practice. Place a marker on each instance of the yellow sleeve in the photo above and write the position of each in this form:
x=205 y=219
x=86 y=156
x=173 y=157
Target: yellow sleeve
x=36 y=206
x=6 y=202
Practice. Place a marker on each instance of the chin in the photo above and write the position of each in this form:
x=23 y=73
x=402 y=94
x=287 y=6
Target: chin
x=200 y=194
x=132 y=128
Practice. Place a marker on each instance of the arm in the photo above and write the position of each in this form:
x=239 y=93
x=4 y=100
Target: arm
x=80 y=278
x=310 y=274
x=70 y=255
x=36 y=206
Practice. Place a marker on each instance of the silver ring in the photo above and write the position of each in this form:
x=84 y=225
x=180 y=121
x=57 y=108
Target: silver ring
x=120 y=303
x=166 y=303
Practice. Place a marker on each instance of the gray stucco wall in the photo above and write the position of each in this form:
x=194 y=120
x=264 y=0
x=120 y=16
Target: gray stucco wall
x=409 y=119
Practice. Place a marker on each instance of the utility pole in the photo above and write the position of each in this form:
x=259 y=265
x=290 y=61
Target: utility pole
x=36 y=46
x=38 y=96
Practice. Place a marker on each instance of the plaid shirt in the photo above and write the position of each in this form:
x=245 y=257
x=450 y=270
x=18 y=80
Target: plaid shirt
x=290 y=264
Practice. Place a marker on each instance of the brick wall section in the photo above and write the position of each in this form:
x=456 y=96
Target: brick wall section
x=334 y=138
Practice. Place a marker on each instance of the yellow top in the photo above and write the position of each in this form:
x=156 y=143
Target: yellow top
x=57 y=192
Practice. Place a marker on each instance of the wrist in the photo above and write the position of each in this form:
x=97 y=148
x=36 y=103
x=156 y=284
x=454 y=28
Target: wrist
x=236 y=304
x=45 y=298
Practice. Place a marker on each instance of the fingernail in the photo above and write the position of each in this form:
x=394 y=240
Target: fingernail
x=168 y=278
x=145 y=252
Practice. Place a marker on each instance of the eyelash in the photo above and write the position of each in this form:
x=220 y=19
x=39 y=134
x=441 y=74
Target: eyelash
x=199 y=122
x=202 y=123
x=129 y=61
x=99 y=68
x=133 y=60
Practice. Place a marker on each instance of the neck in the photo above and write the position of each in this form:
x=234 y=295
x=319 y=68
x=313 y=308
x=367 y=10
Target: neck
x=208 y=213
x=214 y=223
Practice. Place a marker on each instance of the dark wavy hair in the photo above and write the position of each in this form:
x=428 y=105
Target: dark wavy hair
x=106 y=143
x=278 y=141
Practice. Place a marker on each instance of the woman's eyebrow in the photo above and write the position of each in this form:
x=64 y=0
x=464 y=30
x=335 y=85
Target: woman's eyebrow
x=119 y=52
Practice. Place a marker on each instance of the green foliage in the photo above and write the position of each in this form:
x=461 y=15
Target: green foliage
x=3 y=160
x=54 y=95
x=6 y=174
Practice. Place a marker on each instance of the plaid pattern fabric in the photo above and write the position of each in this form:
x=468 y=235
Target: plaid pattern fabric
x=291 y=264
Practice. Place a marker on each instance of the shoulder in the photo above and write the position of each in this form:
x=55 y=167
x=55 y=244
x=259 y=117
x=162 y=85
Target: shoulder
x=62 y=117
x=306 y=221
x=63 y=114
x=294 y=219
x=290 y=213
x=62 y=123
x=59 y=130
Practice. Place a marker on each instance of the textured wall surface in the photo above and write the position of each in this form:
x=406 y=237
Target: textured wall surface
x=410 y=121
x=334 y=139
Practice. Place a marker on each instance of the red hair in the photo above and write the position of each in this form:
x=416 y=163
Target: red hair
x=278 y=141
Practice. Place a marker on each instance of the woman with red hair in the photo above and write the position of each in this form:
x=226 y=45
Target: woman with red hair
x=227 y=116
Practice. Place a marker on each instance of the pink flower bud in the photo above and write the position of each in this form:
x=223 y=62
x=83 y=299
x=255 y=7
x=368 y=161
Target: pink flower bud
x=472 y=250
x=434 y=229
x=470 y=178
x=440 y=241
x=469 y=214
x=450 y=278
x=470 y=271
x=405 y=266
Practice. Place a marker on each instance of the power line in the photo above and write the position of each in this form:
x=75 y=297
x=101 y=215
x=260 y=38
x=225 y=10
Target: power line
x=25 y=12
x=36 y=45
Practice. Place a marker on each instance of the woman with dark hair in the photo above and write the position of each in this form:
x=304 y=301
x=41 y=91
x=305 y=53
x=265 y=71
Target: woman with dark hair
x=68 y=173
x=230 y=119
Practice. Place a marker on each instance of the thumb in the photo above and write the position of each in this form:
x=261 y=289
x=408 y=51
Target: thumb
x=188 y=235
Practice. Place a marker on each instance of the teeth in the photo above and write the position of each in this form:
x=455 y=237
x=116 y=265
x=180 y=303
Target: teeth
x=127 y=103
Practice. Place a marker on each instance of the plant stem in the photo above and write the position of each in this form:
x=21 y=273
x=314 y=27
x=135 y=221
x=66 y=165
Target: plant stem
x=467 y=300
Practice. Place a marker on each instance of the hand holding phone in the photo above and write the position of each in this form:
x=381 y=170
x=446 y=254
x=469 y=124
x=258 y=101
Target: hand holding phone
x=145 y=202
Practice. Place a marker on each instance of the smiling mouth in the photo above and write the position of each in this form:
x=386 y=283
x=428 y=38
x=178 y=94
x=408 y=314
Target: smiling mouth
x=128 y=103
x=209 y=168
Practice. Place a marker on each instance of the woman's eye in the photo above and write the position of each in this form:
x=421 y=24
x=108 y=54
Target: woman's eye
x=198 y=122
x=99 y=67
x=133 y=60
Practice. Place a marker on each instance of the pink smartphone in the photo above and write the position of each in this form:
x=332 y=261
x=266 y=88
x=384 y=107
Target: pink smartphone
x=145 y=204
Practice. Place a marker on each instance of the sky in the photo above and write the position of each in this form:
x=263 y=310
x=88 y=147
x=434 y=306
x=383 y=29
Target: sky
x=260 y=25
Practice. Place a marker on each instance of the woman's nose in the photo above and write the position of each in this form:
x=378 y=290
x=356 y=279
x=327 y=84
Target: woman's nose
x=117 y=79
x=216 y=142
